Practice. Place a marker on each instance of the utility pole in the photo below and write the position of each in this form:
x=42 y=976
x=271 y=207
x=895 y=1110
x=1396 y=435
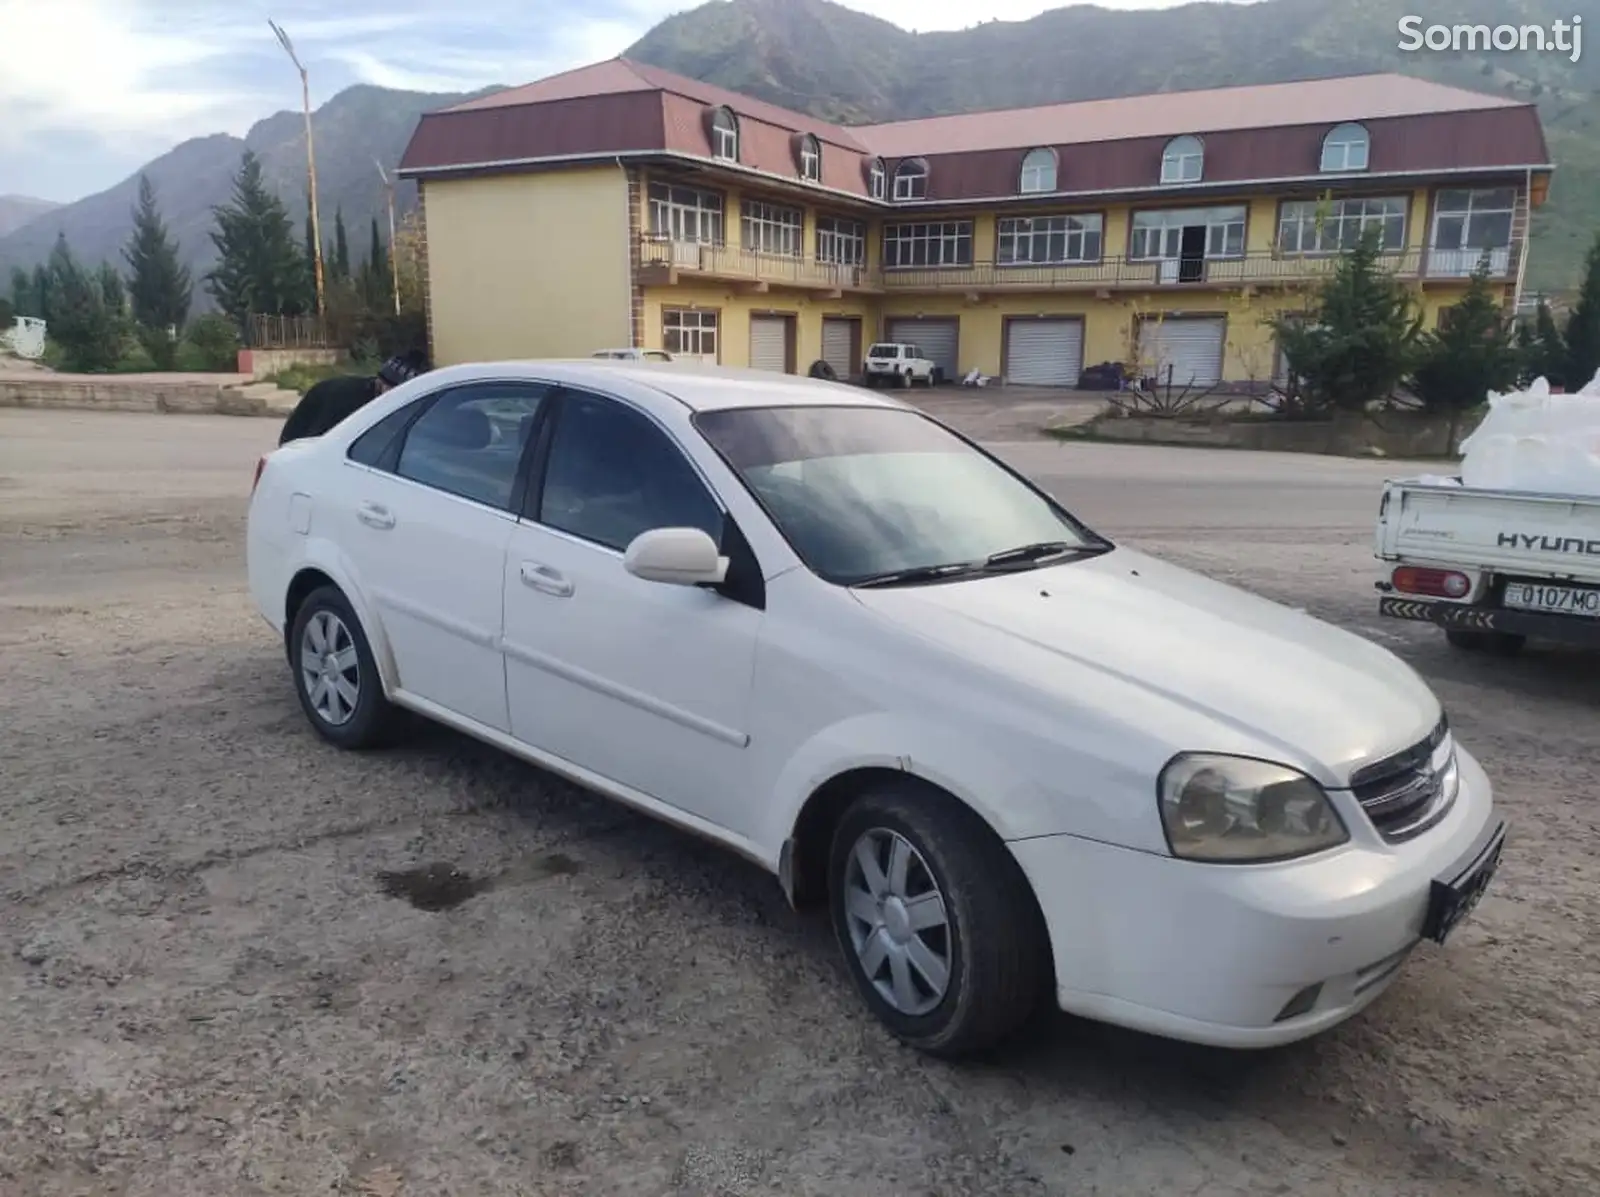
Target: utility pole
x=394 y=261
x=311 y=162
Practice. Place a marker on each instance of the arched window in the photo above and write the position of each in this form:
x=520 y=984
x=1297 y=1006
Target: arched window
x=877 y=178
x=911 y=179
x=1183 y=161
x=725 y=135
x=1038 y=171
x=809 y=155
x=1346 y=148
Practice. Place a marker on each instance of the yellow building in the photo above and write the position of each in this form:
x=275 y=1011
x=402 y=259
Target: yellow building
x=620 y=205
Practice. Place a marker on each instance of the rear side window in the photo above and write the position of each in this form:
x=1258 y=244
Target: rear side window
x=884 y=351
x=369 y=448
x=470 y=441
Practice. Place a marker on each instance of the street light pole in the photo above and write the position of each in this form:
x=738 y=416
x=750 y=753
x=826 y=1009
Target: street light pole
x=394 y=261
x=311 y=162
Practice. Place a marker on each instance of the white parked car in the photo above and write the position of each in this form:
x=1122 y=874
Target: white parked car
x=818 y=627
x=891 y=363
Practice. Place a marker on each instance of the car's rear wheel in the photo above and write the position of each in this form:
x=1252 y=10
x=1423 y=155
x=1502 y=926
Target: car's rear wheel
x=938 y=926
x=1503 y=644
x=905 y=380
x=335 y=674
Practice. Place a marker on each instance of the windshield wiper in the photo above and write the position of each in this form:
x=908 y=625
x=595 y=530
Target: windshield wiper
x=1037 y=554
x=921 y=573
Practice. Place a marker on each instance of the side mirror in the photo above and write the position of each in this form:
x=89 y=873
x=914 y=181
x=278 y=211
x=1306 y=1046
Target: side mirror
x=676 y=556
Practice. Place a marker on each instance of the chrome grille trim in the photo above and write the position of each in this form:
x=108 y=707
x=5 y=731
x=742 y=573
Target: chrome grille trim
x=1412 y=790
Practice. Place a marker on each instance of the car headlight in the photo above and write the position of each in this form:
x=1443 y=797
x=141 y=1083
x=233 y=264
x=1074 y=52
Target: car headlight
x=1237 y=809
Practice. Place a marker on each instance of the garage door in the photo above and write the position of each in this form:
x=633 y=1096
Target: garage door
x=1190 y=345
x=936 y=339
x=1044 y=353
x=769 y=343
x=839 y=346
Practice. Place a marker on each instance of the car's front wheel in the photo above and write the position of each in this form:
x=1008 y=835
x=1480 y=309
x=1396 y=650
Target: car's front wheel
x=938 y=926
x=335 y=674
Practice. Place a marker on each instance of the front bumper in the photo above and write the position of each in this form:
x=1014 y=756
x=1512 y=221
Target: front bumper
x=1215 y=954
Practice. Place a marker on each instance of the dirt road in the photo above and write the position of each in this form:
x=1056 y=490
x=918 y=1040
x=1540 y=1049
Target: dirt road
x=238 y=962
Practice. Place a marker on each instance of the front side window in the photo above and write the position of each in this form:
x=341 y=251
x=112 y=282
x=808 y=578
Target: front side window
x=470 y=441
x=1160 y=235
x=911 y=180
x=1038 y=171
x=1318 y=227
x=842 y=242
x=932 y=243
x=685 y=214
x=689 y=332
x=1345 y=148
x=613 y=473
x=1034 y=240
x=724 y=135
x=1183 y=160
x=772 y=229
x=865 y=492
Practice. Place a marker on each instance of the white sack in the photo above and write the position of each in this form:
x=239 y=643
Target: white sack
x=1534 y=441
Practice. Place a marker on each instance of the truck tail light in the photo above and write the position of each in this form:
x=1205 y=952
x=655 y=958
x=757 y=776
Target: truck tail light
x=1437 y=583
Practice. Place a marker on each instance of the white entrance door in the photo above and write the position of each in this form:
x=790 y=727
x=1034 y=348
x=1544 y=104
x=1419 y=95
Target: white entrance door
x=1190 y=347
x=936 y=338
x=1044 y=353
x=769 y=343
x=642 y=683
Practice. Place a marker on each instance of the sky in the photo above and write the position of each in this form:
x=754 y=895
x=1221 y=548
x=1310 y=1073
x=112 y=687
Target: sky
x=90 y=90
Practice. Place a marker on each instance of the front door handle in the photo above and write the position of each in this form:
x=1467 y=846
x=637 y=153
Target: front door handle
x=545 y=579
x=375 y=515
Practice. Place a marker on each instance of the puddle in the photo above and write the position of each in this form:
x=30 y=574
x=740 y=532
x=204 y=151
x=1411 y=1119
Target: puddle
x=442 y=886
x=432 y=887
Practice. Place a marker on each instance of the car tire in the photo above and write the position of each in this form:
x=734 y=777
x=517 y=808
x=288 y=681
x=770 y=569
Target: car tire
x=905 y=380
x=326 y=627
x=1501 y=644
x=952 y=955
x=1470 y=642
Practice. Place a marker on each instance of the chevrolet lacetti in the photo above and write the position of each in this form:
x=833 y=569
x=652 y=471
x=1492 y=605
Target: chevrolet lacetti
x=1013 y=759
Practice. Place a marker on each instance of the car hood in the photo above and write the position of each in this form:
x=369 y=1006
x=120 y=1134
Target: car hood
x=1199 y=664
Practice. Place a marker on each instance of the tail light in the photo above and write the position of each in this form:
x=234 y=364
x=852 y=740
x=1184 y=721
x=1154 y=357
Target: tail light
x=1437 y=583
x=261 y=464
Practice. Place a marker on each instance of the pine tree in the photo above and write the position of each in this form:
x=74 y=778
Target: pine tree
x=1470 y=355
x=24 y=299
x=41 y=292
x=1583 y=326
x=376 y=285
x=159 y=285
x=341 y=247
x=113 y=291
x=1548 y=355
x=260 y=269
x=88 y=330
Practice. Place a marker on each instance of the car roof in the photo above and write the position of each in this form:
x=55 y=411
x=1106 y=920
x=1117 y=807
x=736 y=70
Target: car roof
x=697 y=386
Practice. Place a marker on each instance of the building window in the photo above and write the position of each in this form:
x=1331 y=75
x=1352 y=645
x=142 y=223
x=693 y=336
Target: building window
x=1037 y=240
x=877 y=178
x=843 y=242
x=1345 y=148
x=911 y=180
x=1038 y=171
x=810 y=158
x=1321 y=227
x=690 y=333
x=1160 y=235
x=772 y=229
x=937 y=243
x=1477 y=220
x=1446 y=316
x=685 y=214
x=1183 y=160
x=725 y=135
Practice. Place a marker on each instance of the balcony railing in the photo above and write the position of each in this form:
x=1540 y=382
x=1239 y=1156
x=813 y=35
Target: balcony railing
x=731 y=262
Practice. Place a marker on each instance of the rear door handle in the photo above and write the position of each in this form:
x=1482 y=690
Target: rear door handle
x=375 y=515
x=545 y=579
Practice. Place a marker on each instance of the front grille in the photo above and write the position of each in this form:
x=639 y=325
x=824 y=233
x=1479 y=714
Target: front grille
x=1409 y=792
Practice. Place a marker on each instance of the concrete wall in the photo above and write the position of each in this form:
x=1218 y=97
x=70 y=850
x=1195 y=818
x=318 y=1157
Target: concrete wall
x=532 y=265
x=1388 y=434
x=264 y=363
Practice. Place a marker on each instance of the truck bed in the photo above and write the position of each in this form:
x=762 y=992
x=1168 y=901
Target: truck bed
x=1513 y=534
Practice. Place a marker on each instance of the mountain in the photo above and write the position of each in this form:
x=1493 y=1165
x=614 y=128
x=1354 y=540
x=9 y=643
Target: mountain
x=18 y=210
x=842 y=65
x=357 y=128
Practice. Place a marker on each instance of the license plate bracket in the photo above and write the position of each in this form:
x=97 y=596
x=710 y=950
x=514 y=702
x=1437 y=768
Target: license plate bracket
x=1450 y=902
x=1551 y=599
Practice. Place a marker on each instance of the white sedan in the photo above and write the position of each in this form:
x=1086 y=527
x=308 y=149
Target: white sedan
x=1011 y=758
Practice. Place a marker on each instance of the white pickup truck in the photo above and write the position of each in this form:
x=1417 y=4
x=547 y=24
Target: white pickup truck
x=1491 y=567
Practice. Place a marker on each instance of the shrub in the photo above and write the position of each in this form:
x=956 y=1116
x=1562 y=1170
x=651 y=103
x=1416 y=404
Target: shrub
x=214 y=342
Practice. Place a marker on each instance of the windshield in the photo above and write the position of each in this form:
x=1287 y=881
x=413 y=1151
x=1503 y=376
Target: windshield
x=884 y=351
x=863 y=493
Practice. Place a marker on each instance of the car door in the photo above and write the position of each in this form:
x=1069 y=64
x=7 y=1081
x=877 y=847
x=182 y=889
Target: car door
x=428 y=509
x=643 y=683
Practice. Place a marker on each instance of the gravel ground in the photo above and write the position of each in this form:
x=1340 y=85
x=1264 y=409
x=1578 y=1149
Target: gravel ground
x=235 y=961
